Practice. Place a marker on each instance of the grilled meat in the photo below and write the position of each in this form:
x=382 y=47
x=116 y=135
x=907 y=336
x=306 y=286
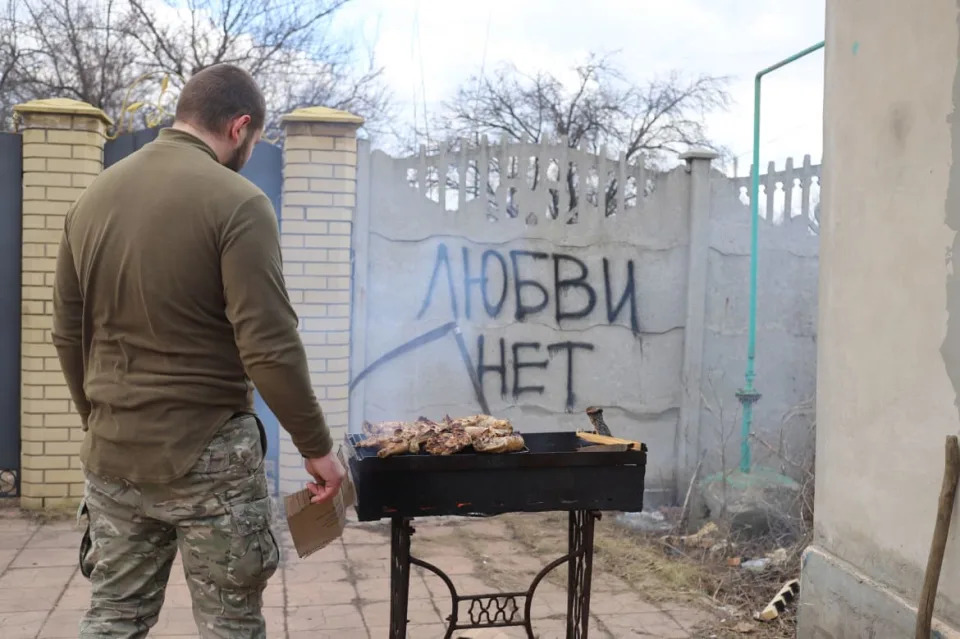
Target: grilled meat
x=492 y=443
x=483 y=432
x=448 y=442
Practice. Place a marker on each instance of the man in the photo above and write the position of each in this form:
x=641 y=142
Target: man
x=169 y=300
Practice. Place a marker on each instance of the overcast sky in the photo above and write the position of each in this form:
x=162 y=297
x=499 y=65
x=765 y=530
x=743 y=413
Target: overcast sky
x=735 y=38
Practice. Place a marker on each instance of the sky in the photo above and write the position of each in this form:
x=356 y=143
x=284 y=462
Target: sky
x=732 y=38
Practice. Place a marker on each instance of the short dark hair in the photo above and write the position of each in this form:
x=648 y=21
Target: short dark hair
x=218 y=94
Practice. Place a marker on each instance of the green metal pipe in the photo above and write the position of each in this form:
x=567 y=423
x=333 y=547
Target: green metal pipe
x=748 y=395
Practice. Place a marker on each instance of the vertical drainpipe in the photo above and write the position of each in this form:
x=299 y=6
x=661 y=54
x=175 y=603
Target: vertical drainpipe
x=748 y=395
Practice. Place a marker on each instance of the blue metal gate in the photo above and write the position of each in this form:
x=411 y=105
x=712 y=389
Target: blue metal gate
x=265 y=169
x=11 y=173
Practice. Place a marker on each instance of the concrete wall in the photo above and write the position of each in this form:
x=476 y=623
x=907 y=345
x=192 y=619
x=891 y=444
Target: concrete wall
x=889 y=348
x=668 y=378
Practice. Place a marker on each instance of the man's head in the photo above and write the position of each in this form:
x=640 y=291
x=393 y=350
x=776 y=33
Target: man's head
x=223 y=105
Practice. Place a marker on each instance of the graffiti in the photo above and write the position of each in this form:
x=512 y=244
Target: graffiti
x=495 y=275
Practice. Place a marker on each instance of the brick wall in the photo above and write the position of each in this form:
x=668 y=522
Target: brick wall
x=319 y=197
x=62 y=153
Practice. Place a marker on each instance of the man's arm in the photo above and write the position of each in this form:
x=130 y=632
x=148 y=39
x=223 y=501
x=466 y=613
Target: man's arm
x=67 y=326
x=265 y=324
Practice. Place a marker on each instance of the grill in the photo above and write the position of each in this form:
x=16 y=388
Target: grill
x=552 y=474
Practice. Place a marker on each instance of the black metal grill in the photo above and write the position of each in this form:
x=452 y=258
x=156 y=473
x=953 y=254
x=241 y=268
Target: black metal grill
x=550 y=475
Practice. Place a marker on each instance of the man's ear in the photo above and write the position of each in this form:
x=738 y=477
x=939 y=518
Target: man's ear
x=236 y=128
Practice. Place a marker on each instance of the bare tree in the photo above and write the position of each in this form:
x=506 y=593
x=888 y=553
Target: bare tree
x=95 y=50
x=601 y=110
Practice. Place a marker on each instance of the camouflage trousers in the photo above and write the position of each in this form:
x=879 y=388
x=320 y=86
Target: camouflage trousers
x=218 y=516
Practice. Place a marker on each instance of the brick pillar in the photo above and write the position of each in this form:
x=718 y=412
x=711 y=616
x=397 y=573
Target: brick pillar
x=62 y=153
x=319 y=199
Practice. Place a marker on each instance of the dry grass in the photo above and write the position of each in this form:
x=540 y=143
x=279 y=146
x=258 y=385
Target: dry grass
x=662 y=574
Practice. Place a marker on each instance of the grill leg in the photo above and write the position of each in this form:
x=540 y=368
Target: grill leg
x=580 y=570
x=399 y=576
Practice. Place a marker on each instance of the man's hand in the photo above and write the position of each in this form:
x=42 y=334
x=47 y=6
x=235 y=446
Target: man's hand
x=328 y=473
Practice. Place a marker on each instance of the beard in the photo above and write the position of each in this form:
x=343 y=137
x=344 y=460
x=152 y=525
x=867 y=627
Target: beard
x=239 y=156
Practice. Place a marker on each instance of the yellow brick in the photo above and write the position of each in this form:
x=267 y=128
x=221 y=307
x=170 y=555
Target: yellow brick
x=317 y=366
x=92 y=167
x=83 y=180
x=327 y=241
x=51 y=364
x=46 y=151
x=37 y=178
x=31 y=476
x=292 y=269
x=296 y=157
x=49 y=462
x=66 y=476
x=64 y=194
x=31 y=448
x=51 y=490
x=34 y=136
x=338 y=365
x=31 y=364
x=45 y=207
x=342 y=337
x=49 y=279
x=34 y=164
x=339 y=310
x=38 y=264
x=344 y=172
x=338 y=392
x=31 y=307
x=296 y=184
x=62 y=420
x=34 y=221
x=331 y=213
x=303 y=255
x=291 y=241
x=305 y=227
x=88 y=138
x=306 y=283
x=28 y=501
x=308 y=199
x=334 y=157
x=39 y=322
x=341 y=228
x=38 y=350
x=339 y=283
x=32 y=392
x=56 y=391
x=88 y=123
x=346 y=144
x=47 y=121
x=34 y=193
x=292 y=213
x=44 y=406
x=343 y=199
x=309 y=142
x=311 y=171
x=326 y=269
x=330 y=379
x=31 y=279
x=88 y=153
x=55 y=222
x=332 y=185
x=33 y=250
x=62 y=448
x=327 y=352
x=327 y=297
x=327 y=324
x=77 y=490
x=36 y=293
x=75 y=463
x=49 y=237
x=32 y=336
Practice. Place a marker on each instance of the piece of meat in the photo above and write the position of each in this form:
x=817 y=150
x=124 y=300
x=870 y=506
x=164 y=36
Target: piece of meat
x=394 y=446
x=499 y=444
x=448 y=442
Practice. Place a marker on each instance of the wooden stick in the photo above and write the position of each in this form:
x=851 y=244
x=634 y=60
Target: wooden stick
x=948 y=491
x=593 y=438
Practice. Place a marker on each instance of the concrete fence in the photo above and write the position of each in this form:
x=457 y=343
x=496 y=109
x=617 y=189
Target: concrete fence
x=378 y=250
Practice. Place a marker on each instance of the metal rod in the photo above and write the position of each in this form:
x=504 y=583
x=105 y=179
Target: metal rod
x=748 y=395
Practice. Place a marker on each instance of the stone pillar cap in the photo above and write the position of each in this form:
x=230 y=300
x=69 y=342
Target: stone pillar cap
x=322 y=114
x=63 y=106
x=699 y=153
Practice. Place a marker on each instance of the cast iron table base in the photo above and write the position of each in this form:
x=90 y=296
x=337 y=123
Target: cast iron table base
x=504 y=609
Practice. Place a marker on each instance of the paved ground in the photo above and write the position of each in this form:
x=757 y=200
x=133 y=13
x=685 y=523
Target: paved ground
x=341 y=591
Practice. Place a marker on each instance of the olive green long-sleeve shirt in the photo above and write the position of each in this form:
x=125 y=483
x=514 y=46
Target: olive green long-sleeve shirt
x=169 y=299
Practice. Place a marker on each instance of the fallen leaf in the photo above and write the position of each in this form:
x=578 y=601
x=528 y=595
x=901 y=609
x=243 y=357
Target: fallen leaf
x=744 y=627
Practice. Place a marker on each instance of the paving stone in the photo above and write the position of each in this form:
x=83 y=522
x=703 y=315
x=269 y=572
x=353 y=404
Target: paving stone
x=46 y=558
x=47 y=577
x=27 y=599
x=62 y=624
x=21 y=625
x=320 y=593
